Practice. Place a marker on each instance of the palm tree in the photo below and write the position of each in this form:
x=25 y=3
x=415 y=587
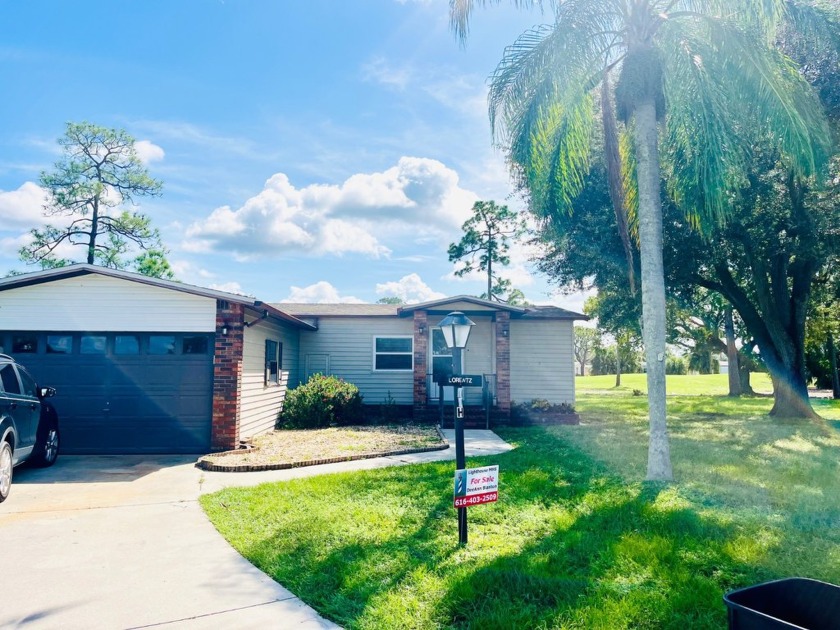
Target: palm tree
x=688 y=71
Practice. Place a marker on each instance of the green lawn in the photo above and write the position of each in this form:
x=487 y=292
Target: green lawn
x=677 y=385
x=577 y=540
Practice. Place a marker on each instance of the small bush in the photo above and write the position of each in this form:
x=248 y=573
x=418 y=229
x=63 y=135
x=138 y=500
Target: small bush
x=540 y=405
x=389 y=410
x=321 y=402
x=676 y=365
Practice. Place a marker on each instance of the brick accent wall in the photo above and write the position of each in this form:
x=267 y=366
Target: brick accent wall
x=227 y=375
x=421 y=362
x=503 y=360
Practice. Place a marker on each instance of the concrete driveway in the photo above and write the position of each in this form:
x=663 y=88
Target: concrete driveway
x=121 y=542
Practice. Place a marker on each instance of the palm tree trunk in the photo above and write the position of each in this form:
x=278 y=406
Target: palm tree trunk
x=653 y=285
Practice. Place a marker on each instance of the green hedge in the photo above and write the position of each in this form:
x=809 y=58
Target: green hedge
x=323 y=401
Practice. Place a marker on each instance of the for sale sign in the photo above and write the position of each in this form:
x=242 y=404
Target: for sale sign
x=474 y=486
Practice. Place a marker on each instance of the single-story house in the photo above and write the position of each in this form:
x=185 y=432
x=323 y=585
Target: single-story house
x=144 y=365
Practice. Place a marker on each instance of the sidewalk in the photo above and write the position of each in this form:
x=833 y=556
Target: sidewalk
x=476 y=443
x=115 y=542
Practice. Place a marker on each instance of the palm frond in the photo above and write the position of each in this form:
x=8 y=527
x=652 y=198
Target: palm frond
x=460 y=12
x=541 y=103
x=554 y=158
x=616 y=187
x=762 y=17
x=721 y=85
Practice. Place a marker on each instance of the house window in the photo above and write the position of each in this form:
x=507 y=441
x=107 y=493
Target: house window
x=126 y=344
x=59 y=344
x=195 y=345
x=93 y=344
x=273 y=360
x=393 y=353
x=161 y=344
x=24 y=344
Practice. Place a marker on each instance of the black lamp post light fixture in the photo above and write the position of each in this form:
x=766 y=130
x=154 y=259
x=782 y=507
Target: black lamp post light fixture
x=456 y=329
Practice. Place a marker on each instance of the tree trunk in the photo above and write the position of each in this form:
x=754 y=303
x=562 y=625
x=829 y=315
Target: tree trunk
x=653 y=285
x=744 y=377
x=489 y=277
x=745 y=367
x=94 y=228
x=832 y=361
x=790 y=397
x=731 y=353
x=617 y=365
x=781 y=344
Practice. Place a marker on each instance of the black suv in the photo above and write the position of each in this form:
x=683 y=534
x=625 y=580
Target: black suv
x=28 y=424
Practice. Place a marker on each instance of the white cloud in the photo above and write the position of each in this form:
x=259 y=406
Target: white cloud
x=229 y=287
x=572 y=301
x=418 y=197
x=10 y=246
x=148 y=152
x=22 y=208
x=410 y=289
x=190 y=273
x=320 y=293
x=465 y=94
x=196 y=136
x=378 y=70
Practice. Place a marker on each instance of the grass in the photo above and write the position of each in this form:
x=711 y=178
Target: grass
x=577 y=540
x=677 y=385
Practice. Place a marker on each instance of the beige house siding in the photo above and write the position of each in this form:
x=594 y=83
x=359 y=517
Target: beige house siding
x=541 y=361
x=348 y=342
x=104 y=304
x=260 y=404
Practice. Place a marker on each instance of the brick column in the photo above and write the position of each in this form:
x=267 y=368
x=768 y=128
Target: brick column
x=503 y=360
x=421 y=363
x=227 y=375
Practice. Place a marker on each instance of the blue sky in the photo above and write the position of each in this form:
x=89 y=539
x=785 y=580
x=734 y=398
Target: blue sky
x=310 y=150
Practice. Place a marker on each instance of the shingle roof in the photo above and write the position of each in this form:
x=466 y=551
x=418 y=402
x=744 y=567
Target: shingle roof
x=394 y=310
x=551 y=312
x=338 y=310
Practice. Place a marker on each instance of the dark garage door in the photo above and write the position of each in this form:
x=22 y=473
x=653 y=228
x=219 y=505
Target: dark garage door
x=124 y=392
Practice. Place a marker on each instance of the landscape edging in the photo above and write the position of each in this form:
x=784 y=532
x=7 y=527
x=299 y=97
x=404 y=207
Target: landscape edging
x=211 y=467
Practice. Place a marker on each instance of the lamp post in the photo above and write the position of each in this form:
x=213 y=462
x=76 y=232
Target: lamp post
x=456 y=329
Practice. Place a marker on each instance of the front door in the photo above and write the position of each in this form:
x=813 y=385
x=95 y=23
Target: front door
x=440 y=362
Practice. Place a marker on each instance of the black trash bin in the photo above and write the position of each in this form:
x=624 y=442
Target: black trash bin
x=785 y=604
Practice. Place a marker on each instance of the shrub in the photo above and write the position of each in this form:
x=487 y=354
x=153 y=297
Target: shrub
x=321 y=402
x=540 y=405
x=676 y=365
x=389 y=410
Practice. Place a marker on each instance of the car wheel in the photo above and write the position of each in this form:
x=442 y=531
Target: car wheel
x=5 y=470
x=46 y=448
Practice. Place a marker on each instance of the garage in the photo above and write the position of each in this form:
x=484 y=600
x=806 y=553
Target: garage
x=147 y=365
x=124 y=392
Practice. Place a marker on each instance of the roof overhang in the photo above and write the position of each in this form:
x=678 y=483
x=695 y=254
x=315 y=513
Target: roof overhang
x=464 y=303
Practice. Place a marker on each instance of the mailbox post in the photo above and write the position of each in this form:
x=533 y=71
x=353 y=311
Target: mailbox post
x=456 y=332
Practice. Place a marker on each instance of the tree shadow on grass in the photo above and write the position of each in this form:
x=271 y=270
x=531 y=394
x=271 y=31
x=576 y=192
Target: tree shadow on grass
x=568 y=545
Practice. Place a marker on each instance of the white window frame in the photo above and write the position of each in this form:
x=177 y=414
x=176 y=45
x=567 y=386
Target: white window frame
x=409 y=354
x=269 y=378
